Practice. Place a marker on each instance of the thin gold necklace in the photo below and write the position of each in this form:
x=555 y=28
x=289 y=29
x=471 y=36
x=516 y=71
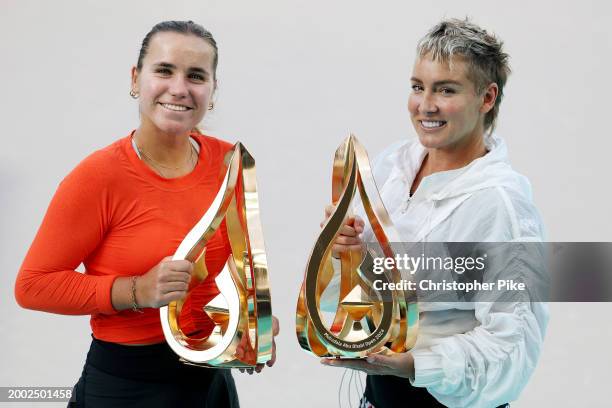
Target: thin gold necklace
x=155 y=164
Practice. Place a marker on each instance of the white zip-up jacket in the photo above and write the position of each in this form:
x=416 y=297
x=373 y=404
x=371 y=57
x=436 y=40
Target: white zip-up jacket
x=468 y=354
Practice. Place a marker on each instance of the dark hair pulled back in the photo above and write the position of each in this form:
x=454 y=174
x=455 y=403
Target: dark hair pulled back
x=182 y=27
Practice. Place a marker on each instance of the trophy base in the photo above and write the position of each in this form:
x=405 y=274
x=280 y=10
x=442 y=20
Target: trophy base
x=229 y=364
x=385 y=351
x=346 y=358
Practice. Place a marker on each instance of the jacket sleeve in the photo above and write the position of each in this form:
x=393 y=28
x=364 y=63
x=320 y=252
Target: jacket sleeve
x=73 y=226
x=491 y=364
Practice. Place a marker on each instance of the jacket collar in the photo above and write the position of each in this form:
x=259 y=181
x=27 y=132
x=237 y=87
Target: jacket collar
x=491 y=170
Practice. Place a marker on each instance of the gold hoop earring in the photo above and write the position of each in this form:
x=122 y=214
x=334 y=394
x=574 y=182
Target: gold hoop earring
x=211 y=106
x=134 y=94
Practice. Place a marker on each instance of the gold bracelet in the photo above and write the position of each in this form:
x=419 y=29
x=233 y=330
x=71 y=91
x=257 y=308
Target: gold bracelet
x=135 y=306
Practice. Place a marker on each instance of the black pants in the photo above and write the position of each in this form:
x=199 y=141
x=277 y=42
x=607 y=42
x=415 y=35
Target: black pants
x=149 y=376
x=388 y=391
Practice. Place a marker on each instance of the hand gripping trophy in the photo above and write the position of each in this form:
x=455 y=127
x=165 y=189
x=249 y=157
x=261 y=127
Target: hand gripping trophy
x=242 y=312
x=366 y=320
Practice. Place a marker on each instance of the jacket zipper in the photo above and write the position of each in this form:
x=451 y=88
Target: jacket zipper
x=406 y=204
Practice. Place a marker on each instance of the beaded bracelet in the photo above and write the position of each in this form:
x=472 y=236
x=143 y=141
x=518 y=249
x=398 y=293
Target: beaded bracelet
x=135 y=306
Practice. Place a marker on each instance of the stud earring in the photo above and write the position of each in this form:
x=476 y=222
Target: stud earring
x=133 y=94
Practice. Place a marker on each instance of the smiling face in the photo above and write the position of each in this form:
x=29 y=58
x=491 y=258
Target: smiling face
x=175 y=83
x=445 y=108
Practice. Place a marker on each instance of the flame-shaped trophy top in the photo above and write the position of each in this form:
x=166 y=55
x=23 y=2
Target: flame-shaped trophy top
x=242 y=312
x=366 y=320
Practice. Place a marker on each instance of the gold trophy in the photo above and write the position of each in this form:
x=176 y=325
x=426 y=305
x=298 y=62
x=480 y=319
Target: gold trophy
x=366 y=320
x=242 y=312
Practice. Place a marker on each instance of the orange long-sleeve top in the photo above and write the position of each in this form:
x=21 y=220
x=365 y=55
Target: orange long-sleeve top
x=119 y=218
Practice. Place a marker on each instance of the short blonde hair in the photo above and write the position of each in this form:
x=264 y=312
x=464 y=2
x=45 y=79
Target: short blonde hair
x=482 y=52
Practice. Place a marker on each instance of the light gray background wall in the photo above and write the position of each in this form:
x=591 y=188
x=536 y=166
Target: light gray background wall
x=294 y=76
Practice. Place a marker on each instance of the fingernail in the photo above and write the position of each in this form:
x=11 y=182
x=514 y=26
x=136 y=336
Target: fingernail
x=371 y=359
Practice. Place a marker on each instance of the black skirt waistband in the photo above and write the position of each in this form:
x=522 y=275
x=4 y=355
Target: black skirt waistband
x=154 y=363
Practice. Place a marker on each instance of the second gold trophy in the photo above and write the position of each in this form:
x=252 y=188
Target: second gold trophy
x=366 y=320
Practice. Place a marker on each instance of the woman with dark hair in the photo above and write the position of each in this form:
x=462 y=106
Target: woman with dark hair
x=122 y=212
